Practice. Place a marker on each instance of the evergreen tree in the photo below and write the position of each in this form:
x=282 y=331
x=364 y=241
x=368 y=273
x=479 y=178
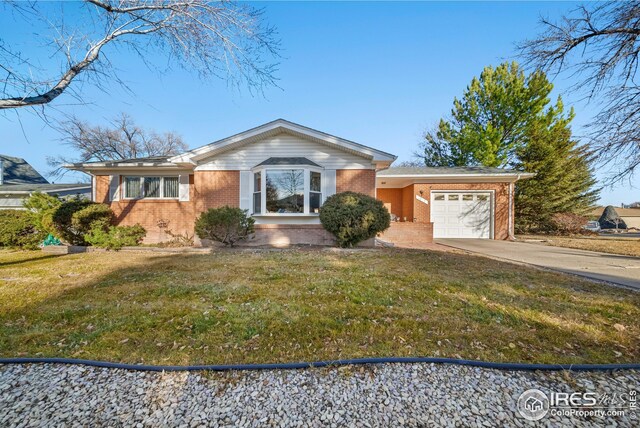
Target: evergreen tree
x=488 y=124
x=564 y=177
x=505 y=119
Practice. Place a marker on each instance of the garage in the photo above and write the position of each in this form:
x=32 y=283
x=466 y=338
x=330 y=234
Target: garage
x=461 y=214
x=458 y=202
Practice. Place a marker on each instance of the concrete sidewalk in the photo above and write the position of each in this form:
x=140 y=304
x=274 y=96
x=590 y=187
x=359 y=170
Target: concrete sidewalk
x=617 y=269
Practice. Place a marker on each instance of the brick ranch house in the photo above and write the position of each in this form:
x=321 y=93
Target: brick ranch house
x=282 y=172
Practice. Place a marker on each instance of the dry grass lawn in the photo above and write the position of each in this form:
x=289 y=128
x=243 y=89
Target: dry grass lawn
x=623 y=246
x=255 y=306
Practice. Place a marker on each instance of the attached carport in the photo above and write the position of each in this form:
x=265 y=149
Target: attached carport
x=470 y=202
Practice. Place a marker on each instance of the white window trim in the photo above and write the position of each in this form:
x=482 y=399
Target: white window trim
x=142 y=176
x=307 y=186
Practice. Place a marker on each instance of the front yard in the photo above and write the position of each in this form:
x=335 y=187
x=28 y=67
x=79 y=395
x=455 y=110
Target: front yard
x=256 y=306
x=622 y=246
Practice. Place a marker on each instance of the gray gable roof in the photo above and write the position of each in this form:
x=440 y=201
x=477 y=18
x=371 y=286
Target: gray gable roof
x=288 y=161
x=428 y=170
x=18 y=171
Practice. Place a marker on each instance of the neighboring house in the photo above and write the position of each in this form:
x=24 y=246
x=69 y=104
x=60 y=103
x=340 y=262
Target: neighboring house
x=282 y=172
x=631 y=216
x=18 y=180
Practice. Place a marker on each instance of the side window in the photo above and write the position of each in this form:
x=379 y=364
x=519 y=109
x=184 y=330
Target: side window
x=315 y=189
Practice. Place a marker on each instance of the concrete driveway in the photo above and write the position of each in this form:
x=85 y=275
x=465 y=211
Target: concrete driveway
x=622 y=270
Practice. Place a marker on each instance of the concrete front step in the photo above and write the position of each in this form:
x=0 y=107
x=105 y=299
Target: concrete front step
x=407 y=233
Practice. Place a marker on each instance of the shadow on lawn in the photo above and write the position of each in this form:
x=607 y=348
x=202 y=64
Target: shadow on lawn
x=33 y=259
x=125 y=312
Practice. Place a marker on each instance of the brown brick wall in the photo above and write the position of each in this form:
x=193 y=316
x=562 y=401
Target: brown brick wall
x=284 y=235
x=411 y=207
x=102 y=188
x=155 y=216
x=407 y=204
x=392 y=200
x=408 y=234
x=215 y=189
x=207 y=189
x=356 y=180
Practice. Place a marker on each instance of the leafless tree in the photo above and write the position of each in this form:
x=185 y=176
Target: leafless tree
x=291 y=181
x=598 y=47
x=212 y=38
x=123 y=139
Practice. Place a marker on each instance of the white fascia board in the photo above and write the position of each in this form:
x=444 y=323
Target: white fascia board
x=220 y=145
x=517 y=176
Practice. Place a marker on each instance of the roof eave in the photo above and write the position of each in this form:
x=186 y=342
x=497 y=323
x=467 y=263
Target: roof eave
x=110 y=165
x=518 y=176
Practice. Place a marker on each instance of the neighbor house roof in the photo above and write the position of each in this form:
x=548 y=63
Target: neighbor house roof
x=18 y=171
x=44 y=188
x=427 y=171
x=276 y=127
x=287 y=161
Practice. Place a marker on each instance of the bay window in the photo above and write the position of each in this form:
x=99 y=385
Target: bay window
x=287 y=191
x=140 y=187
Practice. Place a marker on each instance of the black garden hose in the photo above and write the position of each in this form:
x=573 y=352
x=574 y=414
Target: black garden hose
x=329 y=363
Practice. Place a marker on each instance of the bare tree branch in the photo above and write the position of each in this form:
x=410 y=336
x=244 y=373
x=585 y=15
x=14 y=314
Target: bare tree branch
x=213 y=38
x=122 y=140
x=599 y=48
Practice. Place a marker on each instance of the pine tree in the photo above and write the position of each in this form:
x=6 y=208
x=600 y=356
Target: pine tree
x=505 y=119
x=489 y=122
x=564 y=177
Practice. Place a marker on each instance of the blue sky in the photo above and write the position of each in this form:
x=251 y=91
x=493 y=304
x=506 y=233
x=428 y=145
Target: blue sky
x=377 y=73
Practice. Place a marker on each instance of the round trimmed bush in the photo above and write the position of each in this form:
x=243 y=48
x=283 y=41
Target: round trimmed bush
x=76 y=217
x=227 y=225
x=353 y=217
x=92 y=217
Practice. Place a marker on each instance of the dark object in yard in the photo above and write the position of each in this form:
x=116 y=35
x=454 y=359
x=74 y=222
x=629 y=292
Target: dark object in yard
x=611 y=220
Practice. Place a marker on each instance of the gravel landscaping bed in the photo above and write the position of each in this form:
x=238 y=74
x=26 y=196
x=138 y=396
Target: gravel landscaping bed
x=371 y=396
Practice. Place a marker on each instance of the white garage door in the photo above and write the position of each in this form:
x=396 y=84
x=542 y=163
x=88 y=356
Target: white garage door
x=461 y=215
